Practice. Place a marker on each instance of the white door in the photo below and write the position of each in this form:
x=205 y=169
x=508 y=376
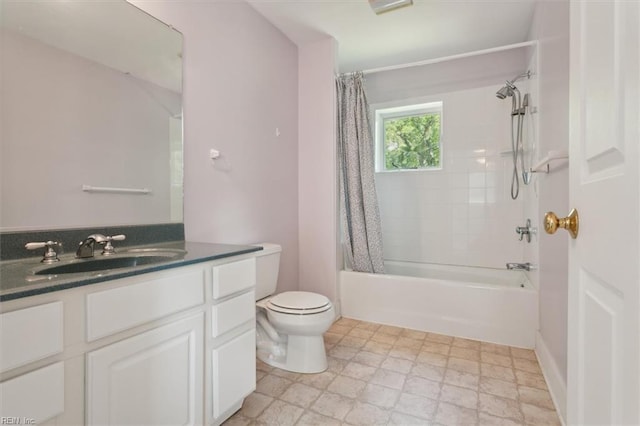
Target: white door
x=603 y=384
x=154 y=378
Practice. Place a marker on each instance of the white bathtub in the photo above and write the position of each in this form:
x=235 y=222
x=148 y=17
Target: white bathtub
x=491 y=305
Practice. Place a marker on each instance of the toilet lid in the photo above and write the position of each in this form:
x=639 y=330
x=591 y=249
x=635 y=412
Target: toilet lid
x=299 y=302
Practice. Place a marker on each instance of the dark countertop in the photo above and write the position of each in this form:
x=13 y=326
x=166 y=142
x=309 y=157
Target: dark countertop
x=17 y=278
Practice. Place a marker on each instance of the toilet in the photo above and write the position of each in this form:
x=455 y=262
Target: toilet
x=289 y=325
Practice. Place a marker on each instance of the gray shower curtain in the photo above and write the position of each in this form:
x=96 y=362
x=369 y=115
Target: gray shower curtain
x=359 y=213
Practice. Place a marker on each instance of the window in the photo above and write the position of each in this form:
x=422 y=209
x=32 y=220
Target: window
x=409 y=137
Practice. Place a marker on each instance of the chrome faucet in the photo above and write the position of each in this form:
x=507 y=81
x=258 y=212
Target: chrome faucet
x=87 y=246
x=521 y=266
x=526 y=230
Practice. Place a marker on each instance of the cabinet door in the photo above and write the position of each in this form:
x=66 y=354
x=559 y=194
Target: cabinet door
x=154 y=378
x=234 y=372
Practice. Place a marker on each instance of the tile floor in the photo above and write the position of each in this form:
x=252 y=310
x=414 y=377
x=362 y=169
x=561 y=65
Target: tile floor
x=388 y=375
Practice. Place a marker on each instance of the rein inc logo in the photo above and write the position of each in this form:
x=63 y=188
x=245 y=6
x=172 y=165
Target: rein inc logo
x=6 y=420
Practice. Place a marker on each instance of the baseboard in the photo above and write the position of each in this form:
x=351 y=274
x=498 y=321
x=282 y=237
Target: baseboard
x=553 y=377
x=337 y=307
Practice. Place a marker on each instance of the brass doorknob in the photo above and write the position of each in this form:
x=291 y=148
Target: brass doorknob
x=570 y=223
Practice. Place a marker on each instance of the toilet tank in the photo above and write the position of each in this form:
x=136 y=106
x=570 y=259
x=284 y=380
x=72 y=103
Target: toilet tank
x=267 y=267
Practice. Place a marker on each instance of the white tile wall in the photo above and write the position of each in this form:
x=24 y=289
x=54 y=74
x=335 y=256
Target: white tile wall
x=462 y=214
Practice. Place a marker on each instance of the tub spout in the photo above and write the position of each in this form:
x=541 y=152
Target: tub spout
x=521 y=266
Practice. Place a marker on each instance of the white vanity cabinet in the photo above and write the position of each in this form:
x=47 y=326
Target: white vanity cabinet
x=169 y=347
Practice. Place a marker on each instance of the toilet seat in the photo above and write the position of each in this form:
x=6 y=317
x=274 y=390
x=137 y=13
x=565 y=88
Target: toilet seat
x=299 y=303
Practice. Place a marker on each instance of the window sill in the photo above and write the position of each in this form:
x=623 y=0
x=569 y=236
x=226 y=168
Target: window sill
x=430 y=169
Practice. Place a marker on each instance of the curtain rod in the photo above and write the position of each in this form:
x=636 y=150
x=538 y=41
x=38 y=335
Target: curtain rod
x=448 y=58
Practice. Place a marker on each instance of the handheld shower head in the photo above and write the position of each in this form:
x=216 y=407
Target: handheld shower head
x=518 y=110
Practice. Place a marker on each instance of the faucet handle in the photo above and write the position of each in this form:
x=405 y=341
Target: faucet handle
x=50 y=255
x=108 y=248
x=526 y=230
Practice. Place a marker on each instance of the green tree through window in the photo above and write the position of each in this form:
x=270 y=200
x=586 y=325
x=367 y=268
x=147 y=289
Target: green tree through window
x=412 y=142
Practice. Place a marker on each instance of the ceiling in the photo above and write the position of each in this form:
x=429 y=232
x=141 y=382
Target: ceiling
x=429 y=29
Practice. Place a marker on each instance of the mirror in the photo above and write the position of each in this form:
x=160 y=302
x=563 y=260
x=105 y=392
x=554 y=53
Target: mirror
x=91 y=116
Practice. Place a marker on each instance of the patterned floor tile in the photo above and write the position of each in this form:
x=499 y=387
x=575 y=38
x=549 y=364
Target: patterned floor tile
x=381 y=374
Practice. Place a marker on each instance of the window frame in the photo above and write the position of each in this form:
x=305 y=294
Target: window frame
x=382 y=113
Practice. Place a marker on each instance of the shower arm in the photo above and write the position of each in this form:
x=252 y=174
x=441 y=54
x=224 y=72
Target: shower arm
x=521 y=76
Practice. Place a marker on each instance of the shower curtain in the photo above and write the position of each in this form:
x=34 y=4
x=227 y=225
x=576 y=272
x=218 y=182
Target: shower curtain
x=359 y=214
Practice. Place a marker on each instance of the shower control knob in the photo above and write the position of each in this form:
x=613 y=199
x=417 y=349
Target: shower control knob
x=571 y=223
x=526 y=230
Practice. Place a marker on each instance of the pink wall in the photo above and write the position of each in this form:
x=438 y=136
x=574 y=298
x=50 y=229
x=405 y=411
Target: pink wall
x=240 y=85
x=551 y=28
x=317 y=208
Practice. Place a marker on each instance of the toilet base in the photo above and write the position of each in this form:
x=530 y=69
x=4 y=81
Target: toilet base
x=303 y=354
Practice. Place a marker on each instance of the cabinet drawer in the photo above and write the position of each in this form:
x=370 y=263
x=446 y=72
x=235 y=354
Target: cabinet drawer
x=118 y=309
x=232 y=313
x=234 y=372
x=233 y=277
x=30 y=334
x=38 y=395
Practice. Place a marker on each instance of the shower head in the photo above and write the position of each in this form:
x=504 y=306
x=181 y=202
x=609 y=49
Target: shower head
x=504 y=92
x=509 y=87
